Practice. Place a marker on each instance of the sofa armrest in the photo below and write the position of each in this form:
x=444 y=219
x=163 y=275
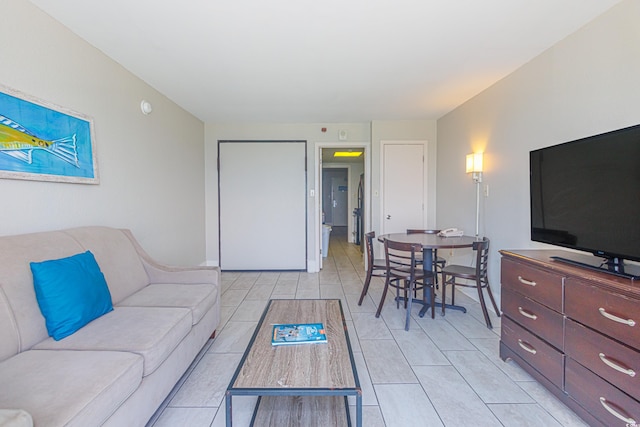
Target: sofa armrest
x=160 y=273
x=15 y=418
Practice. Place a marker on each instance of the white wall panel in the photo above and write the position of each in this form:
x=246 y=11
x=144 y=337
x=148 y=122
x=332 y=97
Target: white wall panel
x=262 y=205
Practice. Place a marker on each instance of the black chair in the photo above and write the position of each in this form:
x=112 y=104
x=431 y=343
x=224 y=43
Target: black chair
x=438 y=262
x=478 y=274
x=404 y=274
x=375 y=267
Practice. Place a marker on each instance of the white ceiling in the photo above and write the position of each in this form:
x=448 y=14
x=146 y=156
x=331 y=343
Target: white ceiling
x=308 y=61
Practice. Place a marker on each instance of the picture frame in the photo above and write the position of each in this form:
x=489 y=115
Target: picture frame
x=40 y=141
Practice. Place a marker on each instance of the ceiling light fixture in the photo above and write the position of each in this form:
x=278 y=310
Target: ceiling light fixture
x=347 y=154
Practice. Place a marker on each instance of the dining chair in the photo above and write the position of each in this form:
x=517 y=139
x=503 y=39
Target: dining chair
x=438 y=262
x=477 y=274
x=375 y=267
x=404 y=274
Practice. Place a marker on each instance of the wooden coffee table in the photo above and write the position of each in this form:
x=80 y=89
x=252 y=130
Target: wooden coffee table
x=299 y=383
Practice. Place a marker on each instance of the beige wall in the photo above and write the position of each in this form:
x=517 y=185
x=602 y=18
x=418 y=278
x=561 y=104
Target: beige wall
x=151 y=167
x=585 y=85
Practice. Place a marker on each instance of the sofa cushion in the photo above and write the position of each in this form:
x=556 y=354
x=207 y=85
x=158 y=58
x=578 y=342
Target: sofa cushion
x=16 y=279
x=117 y=257
x=152 y=332
x=71 y=292
x=9 y=340
x=69 y=388
x=198 y=298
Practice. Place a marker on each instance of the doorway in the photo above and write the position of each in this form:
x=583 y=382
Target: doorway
x=335 y=196
x=341 y=192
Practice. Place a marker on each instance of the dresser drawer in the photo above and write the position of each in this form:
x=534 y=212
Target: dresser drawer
x=611 y=314
x=537 y=353
x=535 y=317
x=542 y=286
x=610 y=405
x=616 y=363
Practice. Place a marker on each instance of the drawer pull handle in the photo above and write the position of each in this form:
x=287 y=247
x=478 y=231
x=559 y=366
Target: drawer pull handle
x=527 y=347
x=605 y=405
x=526 y=282
x=615 y=366
x=527 y=314
x=610 y=316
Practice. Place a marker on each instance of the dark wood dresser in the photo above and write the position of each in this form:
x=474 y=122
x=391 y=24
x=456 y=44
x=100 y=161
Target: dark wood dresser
x=576 y=331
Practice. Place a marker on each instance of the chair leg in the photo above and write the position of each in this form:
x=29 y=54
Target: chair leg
x=444 y=291
x=412 y=288
x=407 y=294
x=365 y=288
x=453 y=292
x=432 y=297
x=452 y=285
x=493 y=301
x=443 y=298
x=483 y=305
x=384 y=295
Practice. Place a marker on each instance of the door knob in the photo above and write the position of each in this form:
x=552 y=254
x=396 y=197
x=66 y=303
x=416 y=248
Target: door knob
x=388 y=216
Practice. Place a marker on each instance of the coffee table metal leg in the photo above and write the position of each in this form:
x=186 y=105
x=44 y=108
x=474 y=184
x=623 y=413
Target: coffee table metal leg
x=228 y=409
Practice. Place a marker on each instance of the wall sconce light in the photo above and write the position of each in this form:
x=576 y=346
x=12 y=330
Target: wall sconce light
x=474 y=167
x=146 y=107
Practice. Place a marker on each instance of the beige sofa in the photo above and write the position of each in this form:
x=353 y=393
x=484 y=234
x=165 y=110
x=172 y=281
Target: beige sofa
x=118 y=369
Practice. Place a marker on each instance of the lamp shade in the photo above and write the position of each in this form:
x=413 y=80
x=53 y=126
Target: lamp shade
x=474 y=162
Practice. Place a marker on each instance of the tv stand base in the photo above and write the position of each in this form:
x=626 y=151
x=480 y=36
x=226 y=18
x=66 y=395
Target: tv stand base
x=604 y=268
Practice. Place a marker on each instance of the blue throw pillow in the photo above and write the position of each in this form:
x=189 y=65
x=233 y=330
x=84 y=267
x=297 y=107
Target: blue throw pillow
x=71 y=292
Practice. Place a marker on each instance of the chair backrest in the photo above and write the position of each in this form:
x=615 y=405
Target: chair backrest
x=368 y=239
x=422 y=231
x=482 y=256
x=400 y=258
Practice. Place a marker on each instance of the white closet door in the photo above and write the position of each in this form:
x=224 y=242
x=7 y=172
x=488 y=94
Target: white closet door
x=403 y=187
x=262 y=205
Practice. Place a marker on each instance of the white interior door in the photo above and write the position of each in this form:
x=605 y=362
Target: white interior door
x=339 y=200
x=403 y=187
x=262 y=205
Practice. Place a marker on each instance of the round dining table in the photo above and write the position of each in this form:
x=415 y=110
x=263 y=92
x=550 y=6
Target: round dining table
x=430 y=243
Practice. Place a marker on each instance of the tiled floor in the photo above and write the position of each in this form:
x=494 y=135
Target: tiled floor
x=443 y=372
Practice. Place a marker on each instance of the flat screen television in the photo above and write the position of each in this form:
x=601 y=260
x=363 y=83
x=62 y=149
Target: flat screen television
x=585 y=195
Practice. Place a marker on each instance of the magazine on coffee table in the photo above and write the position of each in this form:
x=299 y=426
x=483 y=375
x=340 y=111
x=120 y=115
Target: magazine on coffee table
x=298 y=333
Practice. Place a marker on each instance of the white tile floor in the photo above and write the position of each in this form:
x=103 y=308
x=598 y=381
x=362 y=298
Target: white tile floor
x=443 y=372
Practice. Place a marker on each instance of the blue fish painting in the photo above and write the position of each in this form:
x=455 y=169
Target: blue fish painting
x=18 y=142
x=41 y=143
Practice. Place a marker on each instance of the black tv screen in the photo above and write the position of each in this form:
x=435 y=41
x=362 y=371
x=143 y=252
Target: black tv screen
x=585 y=194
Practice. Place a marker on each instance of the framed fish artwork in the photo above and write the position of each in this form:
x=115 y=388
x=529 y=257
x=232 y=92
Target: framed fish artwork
x=43 y=142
